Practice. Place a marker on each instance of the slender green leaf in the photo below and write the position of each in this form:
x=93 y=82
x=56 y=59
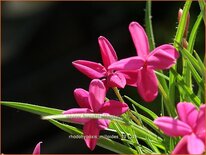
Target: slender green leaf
x=200 y=62
x=153 y=147
x=172 y=88
x=202 y=8
x=147 y=150
x=115 y=126
x=102 y=141
x=67 y=128
x=193 y=33
x=143 y=133
x=162 y=107
x=135 y=141
x=35 y=109
x=143 y=148
x=167 y=103
x=115 y=146
x=148 y=111
x=121 y=130
x=140 y=132
x=181 y=83
x=196 y=76
x=171 y=144
x=193 y=61
x=148 y=122
x=83 y=115
x=162 y=75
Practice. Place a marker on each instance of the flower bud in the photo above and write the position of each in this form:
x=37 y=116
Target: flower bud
x=187 y=23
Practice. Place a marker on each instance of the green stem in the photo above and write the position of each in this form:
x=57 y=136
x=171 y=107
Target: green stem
x=116 y=91
x=148 y=23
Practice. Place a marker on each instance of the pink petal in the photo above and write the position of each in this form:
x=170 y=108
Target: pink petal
x=147 y=84
x=78 y=111
x=169 y=49
x=162 y=57
x=107 y=51
x=181 y=147
x=37 y=149
x=139 y=38
x=195 y=145
x=97 y=94
x=187 y=113
x=202 y=136
x=113 y=107
x=91 y=134
x=91 y=69
x=81 y=97
x=172 y=127
x=131 y=63
x=131 y=77
x=200 y=128
x=103 y=123
x=117 y=80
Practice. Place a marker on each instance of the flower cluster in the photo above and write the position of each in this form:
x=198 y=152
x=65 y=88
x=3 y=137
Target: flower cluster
x=137 y=71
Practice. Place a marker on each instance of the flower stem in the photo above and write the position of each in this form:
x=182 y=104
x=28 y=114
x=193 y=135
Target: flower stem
x=148 y=23
x=116 y=91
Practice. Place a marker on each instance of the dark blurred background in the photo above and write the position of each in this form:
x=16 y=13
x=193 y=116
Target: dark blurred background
x=39 y=42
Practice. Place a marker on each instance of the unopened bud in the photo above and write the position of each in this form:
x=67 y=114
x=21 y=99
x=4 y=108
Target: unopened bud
x=187 y=22
x=184 y=43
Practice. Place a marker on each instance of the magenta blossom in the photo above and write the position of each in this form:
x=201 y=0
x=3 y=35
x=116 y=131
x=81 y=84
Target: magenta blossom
x=37 y=149
x=191 y=126
x=162 y=57
x=93 y=102
x=96 y=70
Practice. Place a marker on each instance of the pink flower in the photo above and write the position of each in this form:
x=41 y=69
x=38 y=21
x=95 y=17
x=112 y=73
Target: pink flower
x=93 y=102
x=191 y=126
x=37 y=149
x=162 y=57
x=96 y=70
